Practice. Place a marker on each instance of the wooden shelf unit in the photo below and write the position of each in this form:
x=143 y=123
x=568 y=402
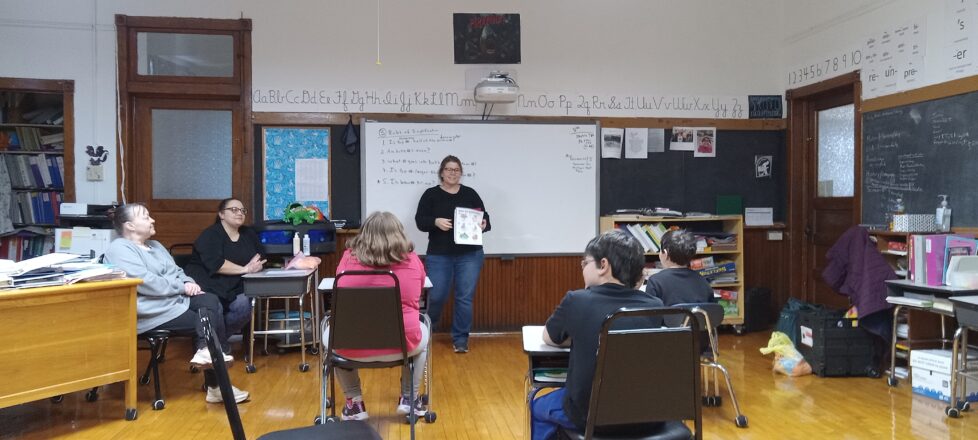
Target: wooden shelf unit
x=39 y=115
x=731 y=224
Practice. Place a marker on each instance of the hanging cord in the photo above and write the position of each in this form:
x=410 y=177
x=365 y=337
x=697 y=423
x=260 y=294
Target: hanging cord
x=378 y=32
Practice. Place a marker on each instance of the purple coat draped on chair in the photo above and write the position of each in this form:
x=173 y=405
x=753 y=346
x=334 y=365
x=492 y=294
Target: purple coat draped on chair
x=856 y=269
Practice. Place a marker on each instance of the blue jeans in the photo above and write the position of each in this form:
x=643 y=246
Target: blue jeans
x=237 y=314
x=548 y=415
x=464 y=269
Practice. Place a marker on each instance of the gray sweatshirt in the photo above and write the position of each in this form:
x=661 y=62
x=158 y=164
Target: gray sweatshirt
x=161 y=296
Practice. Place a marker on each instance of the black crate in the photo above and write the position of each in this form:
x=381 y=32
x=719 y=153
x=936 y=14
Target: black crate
x=839 y=347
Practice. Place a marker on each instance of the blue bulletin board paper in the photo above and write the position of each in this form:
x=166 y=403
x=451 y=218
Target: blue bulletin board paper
x=282 y=146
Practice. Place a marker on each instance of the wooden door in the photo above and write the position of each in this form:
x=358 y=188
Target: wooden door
x=187 y=156
x=825 y=181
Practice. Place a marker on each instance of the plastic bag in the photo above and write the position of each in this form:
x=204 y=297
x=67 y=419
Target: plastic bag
x=302 y=261
x=787 y=360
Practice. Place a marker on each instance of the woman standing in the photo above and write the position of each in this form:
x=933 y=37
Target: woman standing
x=167 y=299
x=223 y=253
x=447 y=261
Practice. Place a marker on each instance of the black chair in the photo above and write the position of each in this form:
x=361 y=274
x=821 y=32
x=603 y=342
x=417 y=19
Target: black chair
x=709 y=316
x=349 y=330
x=181 y=253
x=351 y=430
x=645 y=381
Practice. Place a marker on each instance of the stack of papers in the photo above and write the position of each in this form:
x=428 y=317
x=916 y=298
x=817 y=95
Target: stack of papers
x=53 y=270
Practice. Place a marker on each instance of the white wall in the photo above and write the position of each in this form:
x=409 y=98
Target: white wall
x=607 y=51
x=827 y=28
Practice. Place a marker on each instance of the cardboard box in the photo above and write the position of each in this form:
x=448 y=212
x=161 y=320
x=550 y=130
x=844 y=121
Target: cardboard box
x=936 y=359
x=914 y=223
x=938 y=385
x=931 y=374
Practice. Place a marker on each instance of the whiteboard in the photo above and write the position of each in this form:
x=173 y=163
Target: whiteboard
x=539 y=182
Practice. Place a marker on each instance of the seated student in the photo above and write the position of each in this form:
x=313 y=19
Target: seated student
x=224 y=252
x=382 y=244
x=677 y=283
x=167 y=299
x=611 y=267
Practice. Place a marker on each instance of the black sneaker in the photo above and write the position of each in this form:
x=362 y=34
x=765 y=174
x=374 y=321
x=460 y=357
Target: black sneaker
x=403 y=408
x=461 y=348
x=354 y=410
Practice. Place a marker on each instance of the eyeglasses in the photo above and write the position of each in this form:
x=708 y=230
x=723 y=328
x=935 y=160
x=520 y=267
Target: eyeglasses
x=585 y=261
x=237 y=210
x=453 y=170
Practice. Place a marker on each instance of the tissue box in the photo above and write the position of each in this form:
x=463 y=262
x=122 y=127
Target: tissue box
x=914 y=223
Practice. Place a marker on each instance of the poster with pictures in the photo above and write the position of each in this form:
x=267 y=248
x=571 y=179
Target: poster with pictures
x=682 y=139
x=467 y=226
x=706 y=142
x=636 y=143
x=762 y=166
x=611 y=140
x=486 y=38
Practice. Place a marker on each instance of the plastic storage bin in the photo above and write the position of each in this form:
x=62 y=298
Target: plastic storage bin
x=835 y=345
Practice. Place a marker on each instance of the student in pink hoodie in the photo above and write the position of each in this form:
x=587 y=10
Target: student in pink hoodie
x=382 y=244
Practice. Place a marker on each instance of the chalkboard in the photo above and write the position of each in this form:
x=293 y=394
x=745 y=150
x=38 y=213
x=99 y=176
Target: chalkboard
x=918 y=151
x=538 y=181
x=677 y=180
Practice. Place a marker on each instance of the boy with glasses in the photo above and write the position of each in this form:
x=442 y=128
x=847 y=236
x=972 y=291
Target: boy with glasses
x=611 y=268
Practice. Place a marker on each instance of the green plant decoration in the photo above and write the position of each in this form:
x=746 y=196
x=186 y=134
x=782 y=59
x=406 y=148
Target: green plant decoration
x=295 y=213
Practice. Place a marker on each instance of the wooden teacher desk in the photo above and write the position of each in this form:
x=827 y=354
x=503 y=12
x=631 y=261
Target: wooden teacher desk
x=62 y=339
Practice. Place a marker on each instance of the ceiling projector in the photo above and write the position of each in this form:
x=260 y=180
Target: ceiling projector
x=498 y=87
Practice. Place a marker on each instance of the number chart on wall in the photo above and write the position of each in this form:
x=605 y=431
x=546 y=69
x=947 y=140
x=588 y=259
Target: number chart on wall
x=296 y=169
x=539 y=182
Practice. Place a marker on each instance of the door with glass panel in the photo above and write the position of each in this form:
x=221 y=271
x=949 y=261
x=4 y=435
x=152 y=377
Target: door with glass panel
x=187 y=157
x=830 y=186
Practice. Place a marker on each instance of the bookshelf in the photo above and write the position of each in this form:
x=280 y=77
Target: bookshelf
x=36 y=123
x=732 y=225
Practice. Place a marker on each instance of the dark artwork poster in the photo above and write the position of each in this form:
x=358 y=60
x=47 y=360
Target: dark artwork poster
x=487 y=38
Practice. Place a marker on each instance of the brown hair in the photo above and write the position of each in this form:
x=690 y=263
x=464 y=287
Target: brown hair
x=447 y=160
x=122 y=214
x=381 y=241
x=222 y=206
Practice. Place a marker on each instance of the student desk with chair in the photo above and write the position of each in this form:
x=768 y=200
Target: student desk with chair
x=87 y=337
x=906 y=294
x=545 y=364
x=282 y=284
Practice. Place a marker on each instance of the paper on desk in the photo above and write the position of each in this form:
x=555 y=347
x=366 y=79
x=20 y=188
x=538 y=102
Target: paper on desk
x=467 y=226
x=283 y=273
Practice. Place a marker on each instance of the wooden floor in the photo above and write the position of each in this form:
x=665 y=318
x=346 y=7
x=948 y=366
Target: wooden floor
x=479 y=395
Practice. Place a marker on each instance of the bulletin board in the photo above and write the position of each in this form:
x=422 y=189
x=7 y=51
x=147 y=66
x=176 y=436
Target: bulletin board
x=295 y=169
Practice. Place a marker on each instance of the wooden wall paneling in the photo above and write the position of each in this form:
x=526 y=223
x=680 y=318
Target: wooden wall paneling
x=766 y=264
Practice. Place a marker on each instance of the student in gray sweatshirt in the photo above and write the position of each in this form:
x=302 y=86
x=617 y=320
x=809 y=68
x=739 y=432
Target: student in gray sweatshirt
x=167 y=299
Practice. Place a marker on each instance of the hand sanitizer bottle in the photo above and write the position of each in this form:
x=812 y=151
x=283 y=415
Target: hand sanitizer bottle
x=295 y=243
x=305 y=244
x=898 y=209
x=943 y=215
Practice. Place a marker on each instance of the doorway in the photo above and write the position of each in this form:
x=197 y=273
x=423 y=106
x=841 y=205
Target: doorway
x=824 y=151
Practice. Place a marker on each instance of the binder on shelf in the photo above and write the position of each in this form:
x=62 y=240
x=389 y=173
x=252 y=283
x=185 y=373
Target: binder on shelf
x=934 y=246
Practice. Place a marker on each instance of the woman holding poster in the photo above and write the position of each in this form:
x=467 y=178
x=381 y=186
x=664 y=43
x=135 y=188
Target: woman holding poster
x=447 y=261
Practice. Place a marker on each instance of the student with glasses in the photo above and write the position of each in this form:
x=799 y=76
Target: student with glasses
x=447 y=262
x=224 y=252
x=611 y=269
